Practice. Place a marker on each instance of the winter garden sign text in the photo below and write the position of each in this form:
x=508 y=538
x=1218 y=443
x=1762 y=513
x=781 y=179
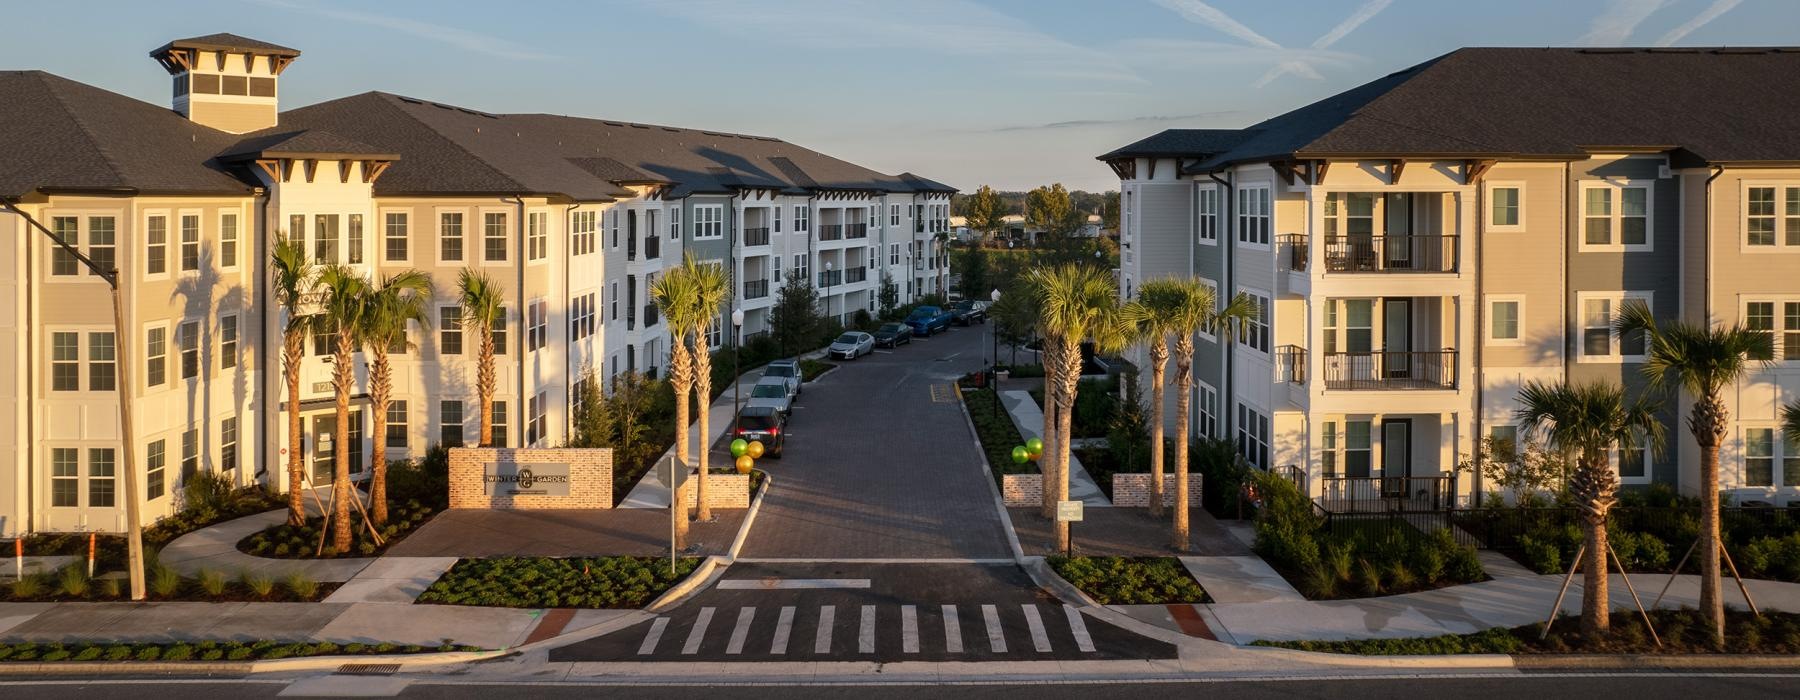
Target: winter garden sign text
x=513 y=479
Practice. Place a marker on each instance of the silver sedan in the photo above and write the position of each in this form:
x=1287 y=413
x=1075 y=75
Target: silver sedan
x=852 y=345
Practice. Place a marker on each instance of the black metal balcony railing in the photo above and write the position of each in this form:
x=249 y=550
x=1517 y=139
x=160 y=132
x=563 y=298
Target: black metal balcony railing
x=831 y=278
x=1294 y=250
x=831 y=232
x=856 y=230
x=756 y=289
x=631 y=246
x=1290 y=364
x=1369 y=494
x=756 y=236
x=652 y=248
x=649 y=315
x=856 y=274
x=1435 y=369
x=1415 y=253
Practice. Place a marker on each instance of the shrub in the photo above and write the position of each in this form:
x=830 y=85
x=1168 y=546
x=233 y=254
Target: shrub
x=28 y=586
x=302 y=586
x=538 y=582
x=259 y=584
x=111 y=588
x=1130 y=581
x=212 y=582
x=73 y=580
x=164 y=582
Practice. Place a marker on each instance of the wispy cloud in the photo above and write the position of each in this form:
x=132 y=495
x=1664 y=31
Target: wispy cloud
x=1366 y=12
x=1616 y=23
x=1712 y=12
x=1202 y=13
x=460 y=38
x=916 y=26
x=1299 y=62
x=1079 y=123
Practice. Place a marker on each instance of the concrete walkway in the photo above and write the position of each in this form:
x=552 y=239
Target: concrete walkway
x=1030 y=420
x=215 y=548
x=489 y=628
x=1231 y=580
x=397 y=580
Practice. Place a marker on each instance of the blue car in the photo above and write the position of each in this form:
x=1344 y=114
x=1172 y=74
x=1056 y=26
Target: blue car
x=927 y=320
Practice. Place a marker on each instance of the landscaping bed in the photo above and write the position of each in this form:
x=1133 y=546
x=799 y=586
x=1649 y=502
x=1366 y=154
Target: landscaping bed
x=162 y=583
x=207 y=499
x=1682 y=632
x=545 y=582
x=995 y=429
x=1130 y=580
x=812 y=369
x=202 y=651
x=1354 y=558
x=284 y=541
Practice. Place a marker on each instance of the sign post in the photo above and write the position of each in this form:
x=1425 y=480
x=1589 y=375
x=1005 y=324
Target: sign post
x=673 y=473
x=1069 y=512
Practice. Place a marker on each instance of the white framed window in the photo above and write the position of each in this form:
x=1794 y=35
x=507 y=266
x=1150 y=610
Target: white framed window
x=775 y=269
x=1771 y=217
x=1599 y=341
x=493 y=237
x=68 y=230
x=450 y=237
x=715 y=331
x=102 y=361
x=156 y=245
x=1505 y=319
x=534 y=422
x=1253 y=436
x=102 y=242
x=874 y=217
x=102 y=468
x=188 y=335
x=325 y=239
x=581 y=316
x=537 y=324
x=1206 y=420
x=228 y=444
x=450 y=334
x=1255 y=334
x=65 y=477
x=228 y=240
x=1506 y=206
x=581 y=232
x=190 y=453
x=803 y=266
x=228 y=341
x=675 y=222
x=65 y=361
x=612 y=224
x=615 y=302
x=893 y=253
x=802 y=218
x=499 y=424
x=1616 y=217
x=893 y=215
x=397 y=427
x=450 y=423
x=1253 y=215
x=1206 y=215
x=537 y=235
x=394 y=228
x=156 y=355
x=353 y=245
x=1632 y=463
x=190 y=242
x=709 y=221
x=1780 y=318
x=1770 y=459
x=499 y=333
x=1505 y=440
x=156 y=461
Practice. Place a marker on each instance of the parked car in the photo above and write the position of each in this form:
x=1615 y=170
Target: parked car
x=891 y=335
x=927 y=320
x=762 y=423
x=852 y=345
x=788 y=370
x=772 y=391
x=968 y=312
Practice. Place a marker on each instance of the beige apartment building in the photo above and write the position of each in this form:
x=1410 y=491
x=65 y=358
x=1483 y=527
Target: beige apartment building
x=573 y=217
x=1422 y=245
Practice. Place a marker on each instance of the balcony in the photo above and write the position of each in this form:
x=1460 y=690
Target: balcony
x=1294 y=250
x=1290 y=364
x=1390 y=254
x=831 y=232
x=1383 y=371
x=831 y=278
x=649 y=315
x=856 y=230
x=652 y=248
x=756 y=289
x=756 y=236
x=856 y=274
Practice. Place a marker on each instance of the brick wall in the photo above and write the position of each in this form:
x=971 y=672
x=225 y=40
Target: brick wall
x=590 y=478
x=722 y=490
x=1022 y=490
x=1133 y=490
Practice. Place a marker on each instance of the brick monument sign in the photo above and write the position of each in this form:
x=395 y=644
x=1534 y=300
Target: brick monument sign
x=530 y=478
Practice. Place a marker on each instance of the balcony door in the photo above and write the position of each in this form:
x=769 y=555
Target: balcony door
x=1396 y=338
x=1397 y=248
x=1351 y=355
x=1396 y=455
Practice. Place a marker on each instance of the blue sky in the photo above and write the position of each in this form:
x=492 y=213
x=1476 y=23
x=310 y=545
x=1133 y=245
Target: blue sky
x=1012 y=93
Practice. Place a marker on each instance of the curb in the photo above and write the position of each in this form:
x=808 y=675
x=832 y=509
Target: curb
x=1439 y=661
x=242 y=668
x=737 y=543
x=702 y=574
x=1649 y=662
x=1046 y=578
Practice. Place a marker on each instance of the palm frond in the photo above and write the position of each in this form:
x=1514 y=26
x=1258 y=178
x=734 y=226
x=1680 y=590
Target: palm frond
x=1790 y=420
x=394 y=303
x=482 y=300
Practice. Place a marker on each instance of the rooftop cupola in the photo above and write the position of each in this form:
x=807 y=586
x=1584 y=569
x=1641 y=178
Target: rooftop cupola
x=226 y=81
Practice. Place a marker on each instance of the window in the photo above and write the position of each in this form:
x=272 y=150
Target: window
x=1505 y=442
x=65 y=361
x=534 y=425
x=1256 y=333
x=537 y=235
x=393 y=233
x=581 y=232
x=450 y=423
x=450 y=236
x=1632 y=462
x=103 y=242
x=156 y=352
x=103 y=370
x=1505 y=207
x=190 y=453
x=1359 y=452
x=775 y=268
x=102 y=463
x=893 y=215
x=775 y=217
x=190 y=242
x=1770 y=459
x=493 y=236
x=189 y=337
x=537 y=323
x=615 y=302
x=156 y=245
x=802 y=218
x=1253 y=436
x=612 y=216
x=1253 y=215
x=450 y=336
x=1206 y=215
x=65 y=477
x=675 y=223
x=709 y=221
x=228 y=239
x=1208 y=423
x=802 y=266
x=1771 y=216
x=581 y=316
x=1615 y=217
x=354 y=228
x=1783 y=329
x=228 y=341
x=297 y=230
x=874 y=216
x=499 y=333
x=67 y=230
x=1504 y=314
x=324 y=339
x=155 y=458
x=499 y=424
x=1599 y=342
x=396 y=424
x=228 y=440
x=325 y=239
x=715 y=331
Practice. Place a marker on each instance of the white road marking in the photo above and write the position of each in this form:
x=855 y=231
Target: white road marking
x=741 y=631
x=1078 y=627
x=996 y=637
x=784 y=626
x=909 y=629
x=865 y=637
x=822 y=640
x=772 y=584
x=952 y=631
x=654 y=636
x=698 y=633
x=1040 y=639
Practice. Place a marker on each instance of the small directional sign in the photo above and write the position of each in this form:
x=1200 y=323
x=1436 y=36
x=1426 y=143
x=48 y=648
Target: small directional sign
x=1068 y=511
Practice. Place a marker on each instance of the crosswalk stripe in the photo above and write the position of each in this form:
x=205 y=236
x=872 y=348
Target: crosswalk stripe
x=1040 y=640
x=952 y=631
x=996 y=638
x=1078 y=627
x=654 y=636
x=741 y=631
x=698 y=633
x=822 y=641
x=865 y=638
x=783 y=626
x=909 y=629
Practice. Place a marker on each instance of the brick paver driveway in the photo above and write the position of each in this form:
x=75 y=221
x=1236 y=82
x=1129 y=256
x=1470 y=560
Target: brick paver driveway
x=880 y=463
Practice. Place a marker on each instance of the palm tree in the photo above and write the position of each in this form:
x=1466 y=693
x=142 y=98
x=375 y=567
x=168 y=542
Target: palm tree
x=293 y=281
x=711 y=288
x=1702 y=360
x=675 y=295
x=1589 y=420
x=1153 y=317
x=396 y=302
x=1196 y=310
x=1079 y=303
x=1790 y=420
x=342 y=306
x=482 y=309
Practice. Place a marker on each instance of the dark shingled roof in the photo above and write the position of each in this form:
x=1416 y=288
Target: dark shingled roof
x=228 y=42
x=287 y=143
x=1181 y=142
x=1705 y=105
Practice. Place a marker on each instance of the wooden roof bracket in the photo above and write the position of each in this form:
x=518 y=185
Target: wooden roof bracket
x=1318 y=171
x=343 y=171
x=270 y=166
x=1474 y=169
x=1395 y=167
x=312 y=168
x=1285 y=170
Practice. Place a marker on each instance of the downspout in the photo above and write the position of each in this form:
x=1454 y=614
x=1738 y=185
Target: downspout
x=1568 y=217
x=1706 y=250
x=1480 y=332
x=264 y=417
x=31 y=416
x=1227 y=351
x=568 y=269
x=521 y=336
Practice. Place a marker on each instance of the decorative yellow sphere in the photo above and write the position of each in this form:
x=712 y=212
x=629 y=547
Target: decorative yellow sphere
x=754 y=449
x=744 y=463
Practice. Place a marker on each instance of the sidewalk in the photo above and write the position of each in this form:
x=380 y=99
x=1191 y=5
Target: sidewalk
x=215 y=547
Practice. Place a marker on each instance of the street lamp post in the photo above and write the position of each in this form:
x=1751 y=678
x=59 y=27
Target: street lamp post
x=828 y=282
x=737 y=382
x=994 y=333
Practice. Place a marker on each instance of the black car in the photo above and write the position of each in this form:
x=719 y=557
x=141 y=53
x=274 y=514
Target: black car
x=763 y=423
x=968 y=312
x=891 y=335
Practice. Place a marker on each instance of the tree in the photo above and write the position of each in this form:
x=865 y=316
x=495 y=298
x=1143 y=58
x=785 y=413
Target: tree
x=676 y=296
x=986 y=213
x=294 y=279
x=1153 y=317
x=1701 y=360
x=482 y=309
x=1077 y=303
x=1052 y=211
x=711 y=288
x=1196 y=311
x=1109 y=212
x=1790 y=420
x=588 y=423
x=393 y=305
x=1589 y=420
x=1015 y=318
x=889 y=296
x=974 y=272
x=342 y=305
x=795 y=319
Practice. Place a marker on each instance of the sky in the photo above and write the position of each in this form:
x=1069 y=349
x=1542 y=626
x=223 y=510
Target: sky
x=1008 y=93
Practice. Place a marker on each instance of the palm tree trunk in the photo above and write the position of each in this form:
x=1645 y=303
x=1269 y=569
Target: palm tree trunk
x=1071 y=384
x=1159 y=356
x=703 y=396
x=1708 y=426
x=1052 y=387
x=1184 y=386
x=342 y=378
x=1594 y=486
x=291 y=348
x=681 y=377
x=484 y=383
x=380 y=387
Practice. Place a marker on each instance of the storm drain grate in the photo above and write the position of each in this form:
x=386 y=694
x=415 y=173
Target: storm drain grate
x=368 y=669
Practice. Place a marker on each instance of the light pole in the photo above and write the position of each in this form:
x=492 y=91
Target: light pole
x=994 y=332
x=737 y=382
x=828 y=281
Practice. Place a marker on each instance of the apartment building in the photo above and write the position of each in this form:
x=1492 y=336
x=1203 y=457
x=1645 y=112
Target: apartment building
x=1422 y=245
x=573 y=218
